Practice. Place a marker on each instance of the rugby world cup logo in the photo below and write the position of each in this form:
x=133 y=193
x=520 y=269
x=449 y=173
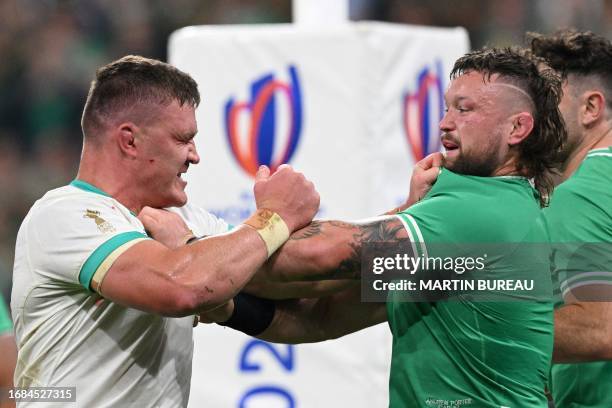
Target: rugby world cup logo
x=423 y=110
x=266 y=128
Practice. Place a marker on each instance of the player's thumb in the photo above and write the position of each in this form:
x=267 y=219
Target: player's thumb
x=262 y=173
x=430 y=175
x=437 y=159
x=433 y=160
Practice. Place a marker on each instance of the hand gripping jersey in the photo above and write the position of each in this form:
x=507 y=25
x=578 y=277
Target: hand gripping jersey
x=461 y=351
x=580 y=222
x=68 y=335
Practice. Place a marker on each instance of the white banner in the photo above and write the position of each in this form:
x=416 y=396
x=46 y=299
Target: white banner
x=352 y=107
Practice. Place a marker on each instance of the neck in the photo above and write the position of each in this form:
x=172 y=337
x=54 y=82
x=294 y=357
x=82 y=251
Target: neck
x=592 y=140
x=508 y=168
x=108 y=173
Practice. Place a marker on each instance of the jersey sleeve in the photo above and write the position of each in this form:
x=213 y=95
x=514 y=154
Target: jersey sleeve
x=428 y=226
x=419 y=248
x=581 y=235
x=76 y=241
x=6 y=325
x=447 y=227
x=201 y=222
x=439 y=219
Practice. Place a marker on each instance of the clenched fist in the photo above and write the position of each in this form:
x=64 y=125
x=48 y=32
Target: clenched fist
x=424 y=176
x=288 y=193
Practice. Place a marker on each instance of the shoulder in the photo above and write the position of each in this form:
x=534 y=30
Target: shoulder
x=70 y=233
x=485 y=210
x=67 y=208
x=69 y=217
x=581 y=192
x=566 y=198
x=66 y=200
x=580 y=209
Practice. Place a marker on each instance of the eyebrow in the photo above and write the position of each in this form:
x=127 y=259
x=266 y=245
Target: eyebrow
x=186 y=135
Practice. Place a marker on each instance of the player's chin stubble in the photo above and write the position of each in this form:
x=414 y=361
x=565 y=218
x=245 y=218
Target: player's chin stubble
x=482 y=165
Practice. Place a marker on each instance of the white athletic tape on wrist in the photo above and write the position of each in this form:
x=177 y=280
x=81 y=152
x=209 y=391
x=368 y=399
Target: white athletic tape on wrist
x=270 y=227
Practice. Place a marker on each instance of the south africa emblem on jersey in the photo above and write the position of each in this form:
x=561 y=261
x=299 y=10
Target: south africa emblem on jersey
x=103 y=225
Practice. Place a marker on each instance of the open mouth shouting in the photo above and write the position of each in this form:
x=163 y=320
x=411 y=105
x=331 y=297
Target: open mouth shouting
x=452 y=148
x=180 y=175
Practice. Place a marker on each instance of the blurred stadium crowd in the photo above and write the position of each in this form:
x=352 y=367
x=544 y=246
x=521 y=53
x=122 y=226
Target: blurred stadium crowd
x=50 y=49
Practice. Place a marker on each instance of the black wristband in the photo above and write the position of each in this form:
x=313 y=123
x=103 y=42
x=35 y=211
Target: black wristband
x=252 y=315
x=194 y=239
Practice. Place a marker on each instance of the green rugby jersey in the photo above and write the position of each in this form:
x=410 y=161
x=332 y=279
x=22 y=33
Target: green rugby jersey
x=581 y=212
x=6 y=324
x=463 y=352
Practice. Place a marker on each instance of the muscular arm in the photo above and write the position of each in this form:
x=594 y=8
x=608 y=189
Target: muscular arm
x=186 y=280
x=330 y=249
x=314 y=320
x=294 y=290
x=583 y=332
x=324 y=250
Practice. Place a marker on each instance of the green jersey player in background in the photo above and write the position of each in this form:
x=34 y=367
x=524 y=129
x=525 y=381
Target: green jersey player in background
x=502 y=127
x=580 y=217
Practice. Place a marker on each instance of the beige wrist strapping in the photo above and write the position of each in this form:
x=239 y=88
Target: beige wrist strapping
x=270 y=227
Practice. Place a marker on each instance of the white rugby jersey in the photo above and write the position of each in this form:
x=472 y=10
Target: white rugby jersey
x=69 y=335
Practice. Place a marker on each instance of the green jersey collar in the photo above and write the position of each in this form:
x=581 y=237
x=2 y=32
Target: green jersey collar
x=486 y=177
x=604 y=151
x=83 y=185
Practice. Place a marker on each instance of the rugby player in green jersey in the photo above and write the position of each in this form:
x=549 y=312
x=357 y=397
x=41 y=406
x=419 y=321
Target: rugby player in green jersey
x=502 y=131
x=580 y=216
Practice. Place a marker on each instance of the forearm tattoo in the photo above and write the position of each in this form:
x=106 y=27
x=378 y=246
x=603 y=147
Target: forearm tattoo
x=387 y=230
x=313 y=229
